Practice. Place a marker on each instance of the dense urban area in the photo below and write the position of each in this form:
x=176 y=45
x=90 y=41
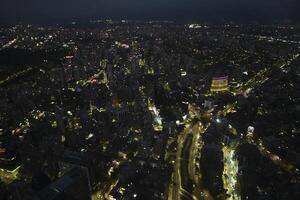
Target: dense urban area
x=149 y=111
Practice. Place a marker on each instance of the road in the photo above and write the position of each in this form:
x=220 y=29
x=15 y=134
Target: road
x=230 y=172
x=186 y=180
x=17 y=75
x=8 y=44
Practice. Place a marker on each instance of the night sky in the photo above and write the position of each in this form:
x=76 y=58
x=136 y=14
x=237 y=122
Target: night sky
x=12 y=11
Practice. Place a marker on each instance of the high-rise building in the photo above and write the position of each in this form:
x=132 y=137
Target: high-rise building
x=219 y=84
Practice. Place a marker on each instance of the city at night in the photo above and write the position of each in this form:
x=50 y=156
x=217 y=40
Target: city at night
x=150 y=100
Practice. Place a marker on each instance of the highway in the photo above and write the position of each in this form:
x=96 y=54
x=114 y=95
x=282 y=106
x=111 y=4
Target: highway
x=186 y=180
x=230 y=172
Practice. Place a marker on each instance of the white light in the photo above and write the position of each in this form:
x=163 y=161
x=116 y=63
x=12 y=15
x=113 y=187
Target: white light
x=89 y=136
x=218 y=120
x=251 y=129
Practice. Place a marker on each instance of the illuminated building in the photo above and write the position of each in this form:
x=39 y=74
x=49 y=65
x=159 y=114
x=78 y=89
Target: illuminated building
x=9 y=166
x=219 y=84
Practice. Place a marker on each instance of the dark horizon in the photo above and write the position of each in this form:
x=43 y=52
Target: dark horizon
x=56 y=11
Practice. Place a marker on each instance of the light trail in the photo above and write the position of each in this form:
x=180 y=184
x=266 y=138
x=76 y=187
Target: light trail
x=9 y=44
x=283 y=164
x=195 y=170
x=17 y=75
x=192 y=132
x=175 y=186
x=230 y=172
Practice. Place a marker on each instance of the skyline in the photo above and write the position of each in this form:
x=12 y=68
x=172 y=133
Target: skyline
x=56 y=11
